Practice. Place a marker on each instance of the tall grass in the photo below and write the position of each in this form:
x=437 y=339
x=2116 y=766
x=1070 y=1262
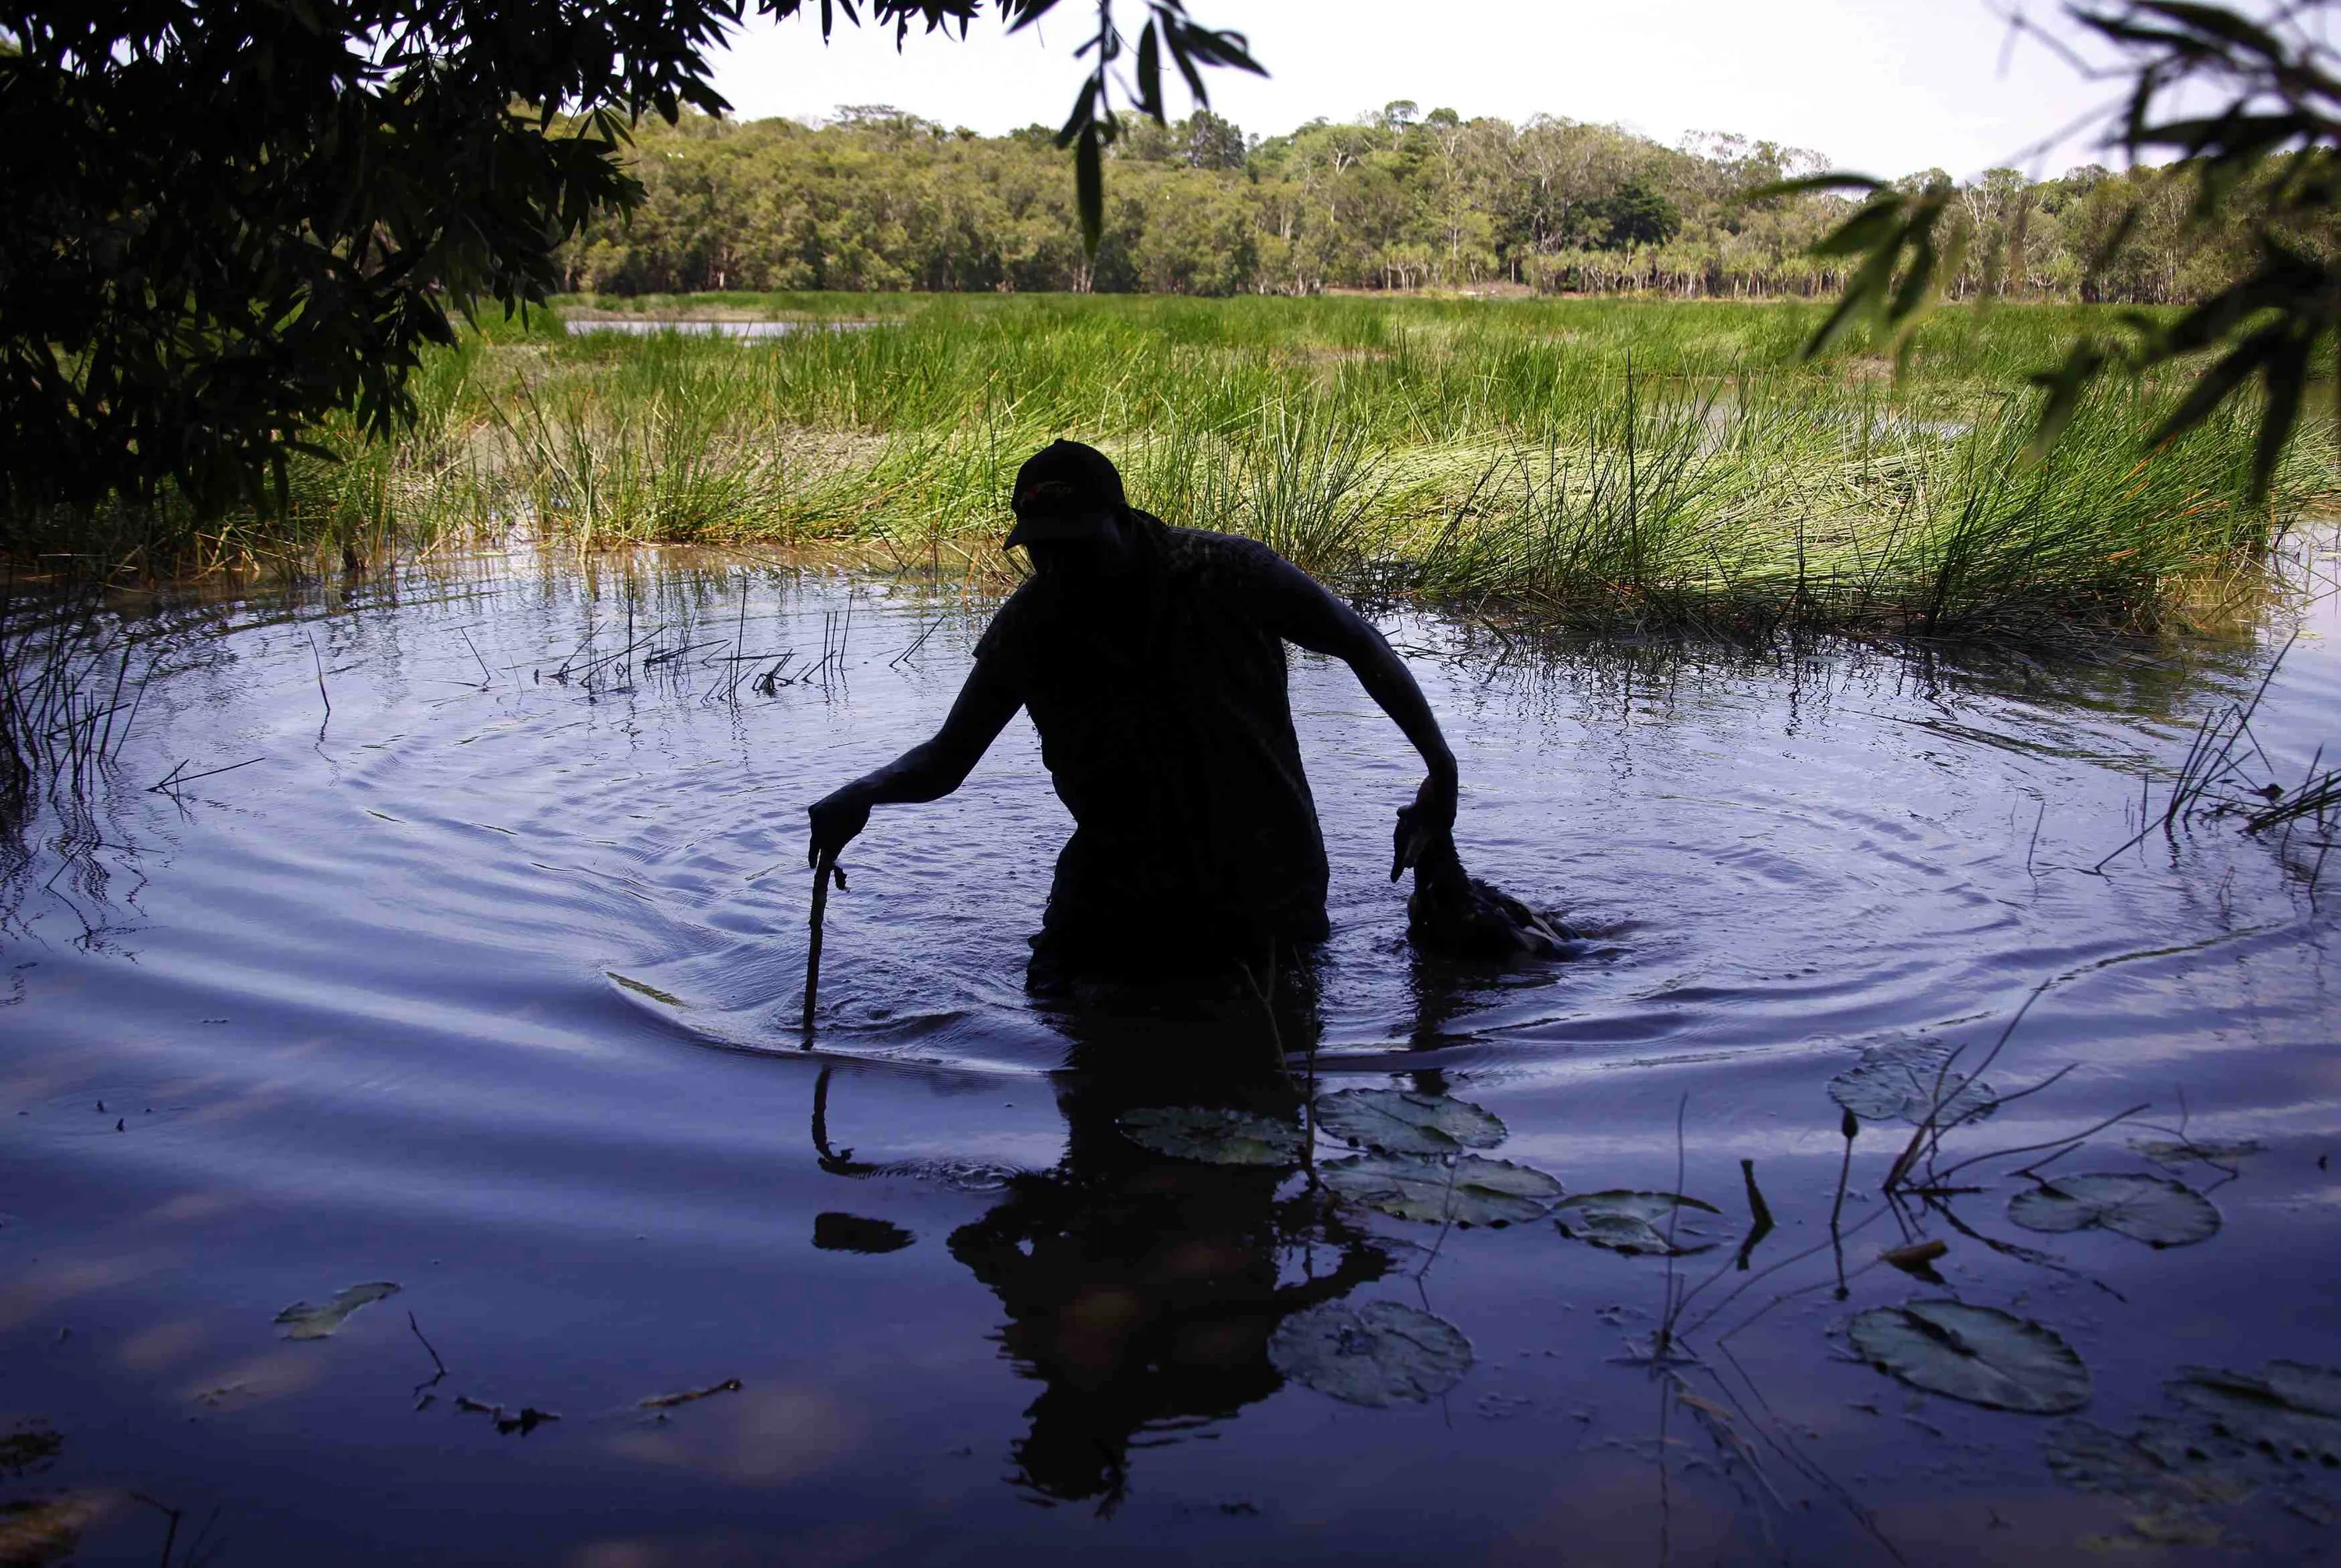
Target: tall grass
x=1620 y=462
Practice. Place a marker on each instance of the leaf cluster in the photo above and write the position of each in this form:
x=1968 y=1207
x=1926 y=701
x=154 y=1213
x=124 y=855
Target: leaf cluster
x=1093 y=123
x=2276 y=135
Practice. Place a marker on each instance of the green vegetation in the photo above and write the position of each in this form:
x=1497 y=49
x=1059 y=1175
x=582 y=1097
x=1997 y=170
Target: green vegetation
x=1609 y=462
x=880 y=200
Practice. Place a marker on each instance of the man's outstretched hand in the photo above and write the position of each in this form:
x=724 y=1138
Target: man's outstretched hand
x=837 y=820
x=1426 y=827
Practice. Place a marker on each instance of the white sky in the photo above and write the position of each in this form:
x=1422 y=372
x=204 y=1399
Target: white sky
x=1885 y=86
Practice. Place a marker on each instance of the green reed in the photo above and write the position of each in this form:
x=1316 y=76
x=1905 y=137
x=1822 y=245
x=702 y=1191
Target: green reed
x=1624 y=462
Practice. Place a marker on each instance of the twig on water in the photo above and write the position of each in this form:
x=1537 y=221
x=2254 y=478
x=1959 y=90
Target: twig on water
x=319 y=660
x=176 y=777
x=487 y=679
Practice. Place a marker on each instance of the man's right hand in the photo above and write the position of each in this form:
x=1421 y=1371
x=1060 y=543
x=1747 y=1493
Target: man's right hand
x=837 y=820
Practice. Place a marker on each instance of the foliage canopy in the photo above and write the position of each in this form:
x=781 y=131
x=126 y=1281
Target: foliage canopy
x=229 y=218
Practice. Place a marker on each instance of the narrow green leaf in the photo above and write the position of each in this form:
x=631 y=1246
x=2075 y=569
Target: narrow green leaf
x=2286 y=377
x=1089 y=188
x=1150 y=73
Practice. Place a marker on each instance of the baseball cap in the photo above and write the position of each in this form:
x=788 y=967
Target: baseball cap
x=1065 y=491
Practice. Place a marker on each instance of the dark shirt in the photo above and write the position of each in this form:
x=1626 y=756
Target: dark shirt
x=1160 y=702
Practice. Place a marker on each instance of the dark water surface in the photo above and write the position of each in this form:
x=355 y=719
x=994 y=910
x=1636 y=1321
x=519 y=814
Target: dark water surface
x=484 y=985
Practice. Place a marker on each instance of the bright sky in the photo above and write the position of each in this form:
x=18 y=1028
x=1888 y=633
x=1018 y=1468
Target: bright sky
x=1886 y=87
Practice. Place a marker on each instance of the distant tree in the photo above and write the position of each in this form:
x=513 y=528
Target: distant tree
x=1633 y=215
x=1212 y=142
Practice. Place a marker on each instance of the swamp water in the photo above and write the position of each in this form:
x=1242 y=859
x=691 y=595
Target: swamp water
x=407 y=1152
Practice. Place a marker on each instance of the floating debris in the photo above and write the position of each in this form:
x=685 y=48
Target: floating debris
x=1220 y=1137
x=302 y=1321
x=1634 y=1222
x=1374 y=1354
x=2152 y=1209
x=527 y=1421
x=1401 y=1122
x=1977 y=1353
x=688 y=1396
x=644 y=989
x=1470 y=1190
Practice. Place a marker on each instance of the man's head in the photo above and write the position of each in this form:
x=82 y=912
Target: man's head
x=1070 y=513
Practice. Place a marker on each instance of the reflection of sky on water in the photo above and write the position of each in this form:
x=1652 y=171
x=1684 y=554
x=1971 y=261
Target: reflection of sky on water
x=363 y=986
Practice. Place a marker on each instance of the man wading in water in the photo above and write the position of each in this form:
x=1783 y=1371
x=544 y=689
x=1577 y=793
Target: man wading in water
x=1151 y=659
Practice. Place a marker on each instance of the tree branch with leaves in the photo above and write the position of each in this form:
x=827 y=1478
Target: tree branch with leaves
x=2275 y=140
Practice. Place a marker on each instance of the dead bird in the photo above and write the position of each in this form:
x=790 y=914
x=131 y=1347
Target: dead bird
x=1454 y=914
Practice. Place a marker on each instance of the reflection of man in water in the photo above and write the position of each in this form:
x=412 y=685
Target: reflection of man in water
x=1151 y=660
x=1141 y=1290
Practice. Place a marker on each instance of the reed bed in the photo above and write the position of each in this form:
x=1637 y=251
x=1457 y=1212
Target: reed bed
x=1619 y=464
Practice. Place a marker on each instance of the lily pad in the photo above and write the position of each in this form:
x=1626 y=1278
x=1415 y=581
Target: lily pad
x=1376 y=1354
x=2151 y=1209
x=2291 y=1411
x=1900 y=1084
x=1220 y=1137
x=302 y=1321
x=1977 y=1353
x=1634 y=1222
x=1401 y=1122
x=1471 y=1190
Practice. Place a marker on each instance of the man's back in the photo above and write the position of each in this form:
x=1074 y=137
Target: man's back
x=1164 y=722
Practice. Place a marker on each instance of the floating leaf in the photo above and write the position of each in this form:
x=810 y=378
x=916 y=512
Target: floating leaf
x=1918 y=1259
x=1371 y=1354
x=302 y=1321
x=1633 y=1222
x=2144 y=1208
x=2292 y=1409
x=1899 y=1084
x=1220 y=1137
x=1471 y=1190
x=1401 y=1122
x=1977 y=1353
x=837 y=1232
x=2176 y=1155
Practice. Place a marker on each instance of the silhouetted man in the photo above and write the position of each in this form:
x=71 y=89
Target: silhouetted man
x=1151 y=660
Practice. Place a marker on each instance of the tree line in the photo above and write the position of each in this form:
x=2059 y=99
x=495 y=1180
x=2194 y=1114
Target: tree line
x=878 y=199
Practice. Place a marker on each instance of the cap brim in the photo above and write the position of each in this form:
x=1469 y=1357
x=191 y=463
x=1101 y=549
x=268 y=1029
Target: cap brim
x=1056 y=526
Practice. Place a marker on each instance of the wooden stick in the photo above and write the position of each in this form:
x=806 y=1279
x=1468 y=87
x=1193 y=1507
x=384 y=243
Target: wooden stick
x=825 y=869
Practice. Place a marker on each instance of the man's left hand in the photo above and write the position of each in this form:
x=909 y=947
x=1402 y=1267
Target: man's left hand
x=1426 y=825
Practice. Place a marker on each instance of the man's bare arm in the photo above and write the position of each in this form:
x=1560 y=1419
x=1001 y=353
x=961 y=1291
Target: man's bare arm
x=927 y=771
x=1302 y=613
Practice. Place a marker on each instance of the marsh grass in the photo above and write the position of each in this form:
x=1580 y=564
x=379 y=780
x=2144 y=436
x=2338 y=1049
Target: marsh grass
x=1615 y=463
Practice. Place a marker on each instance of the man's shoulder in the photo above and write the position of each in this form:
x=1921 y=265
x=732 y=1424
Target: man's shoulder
x=1011 y=621
x=1202 y=550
